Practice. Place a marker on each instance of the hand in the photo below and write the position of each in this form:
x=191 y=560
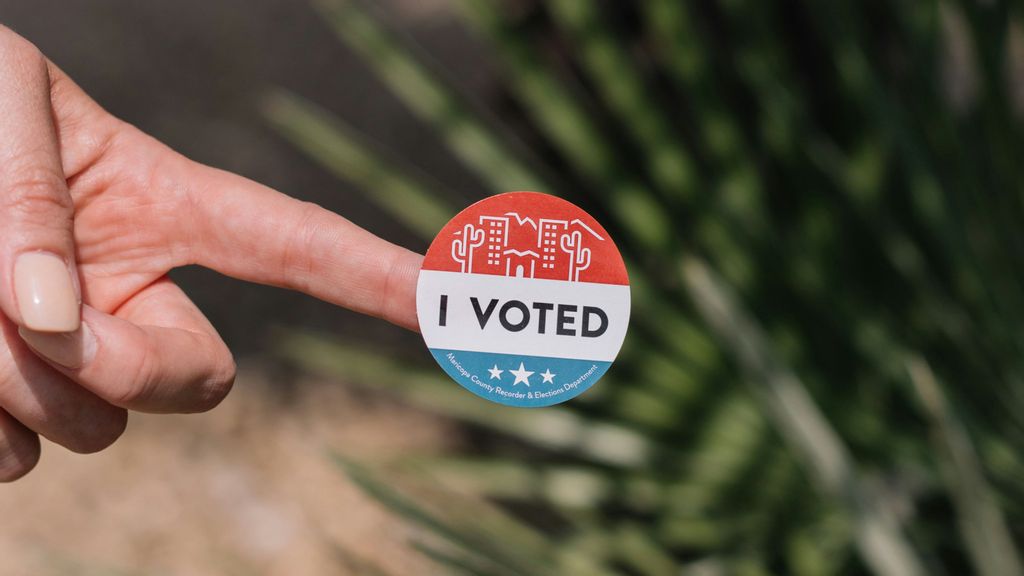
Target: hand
x=93 y=215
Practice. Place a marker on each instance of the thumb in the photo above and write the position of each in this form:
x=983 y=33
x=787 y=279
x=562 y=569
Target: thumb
x=38 y=284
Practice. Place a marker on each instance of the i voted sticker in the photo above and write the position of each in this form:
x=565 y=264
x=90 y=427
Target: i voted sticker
x=523 y=299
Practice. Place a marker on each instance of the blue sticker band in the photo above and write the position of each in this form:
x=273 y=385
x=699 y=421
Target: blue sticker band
x=518 y=380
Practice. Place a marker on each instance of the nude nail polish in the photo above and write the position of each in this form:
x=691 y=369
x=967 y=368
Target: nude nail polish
x=46 y=293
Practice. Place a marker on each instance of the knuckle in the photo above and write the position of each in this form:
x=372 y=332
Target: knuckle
x=297 y=258
x=218 y=384
x=14 y=467
x=387 y=295
x=135 y=384
x=17 y=459
x=37 y=195
x=10 y=378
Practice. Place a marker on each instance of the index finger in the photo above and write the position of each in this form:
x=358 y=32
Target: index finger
x=251 y=232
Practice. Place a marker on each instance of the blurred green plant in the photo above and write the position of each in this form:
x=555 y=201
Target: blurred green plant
x=820 y=206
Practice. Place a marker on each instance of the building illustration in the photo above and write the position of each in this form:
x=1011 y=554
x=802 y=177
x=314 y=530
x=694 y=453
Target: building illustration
x=512 y=245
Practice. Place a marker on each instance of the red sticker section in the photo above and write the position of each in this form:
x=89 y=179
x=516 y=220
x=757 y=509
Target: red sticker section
x=529 y=235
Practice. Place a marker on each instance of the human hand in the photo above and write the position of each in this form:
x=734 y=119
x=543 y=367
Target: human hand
x=94 y=213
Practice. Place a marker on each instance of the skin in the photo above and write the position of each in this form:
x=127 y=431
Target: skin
x=123 y=209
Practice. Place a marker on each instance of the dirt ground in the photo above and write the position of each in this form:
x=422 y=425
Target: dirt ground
x=246 y=489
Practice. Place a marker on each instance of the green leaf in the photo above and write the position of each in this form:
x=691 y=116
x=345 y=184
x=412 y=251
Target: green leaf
x=341 y=151
x=981 y=521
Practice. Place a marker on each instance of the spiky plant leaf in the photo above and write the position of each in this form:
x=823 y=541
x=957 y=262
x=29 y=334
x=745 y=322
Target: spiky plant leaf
x=847 y=184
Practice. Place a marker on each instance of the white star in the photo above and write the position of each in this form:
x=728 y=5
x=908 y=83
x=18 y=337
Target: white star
x=548 y=376
x=495 y=372
x=522 y=375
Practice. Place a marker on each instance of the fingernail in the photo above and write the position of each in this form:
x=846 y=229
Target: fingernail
x=68 y=349
x=46 y=293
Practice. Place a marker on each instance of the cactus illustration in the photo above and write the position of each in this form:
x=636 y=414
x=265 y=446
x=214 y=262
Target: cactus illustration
x=579 y=257
x=463 y=248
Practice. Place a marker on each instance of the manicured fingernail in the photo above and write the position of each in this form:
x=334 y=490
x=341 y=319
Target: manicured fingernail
x=69 y=349
x=46 y=293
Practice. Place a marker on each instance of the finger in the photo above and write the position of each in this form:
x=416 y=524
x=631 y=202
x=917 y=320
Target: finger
x=39 y=288
x=159 y=354
x=50 y=404
x=19 y=449
x=248 y=231
x=85 y=130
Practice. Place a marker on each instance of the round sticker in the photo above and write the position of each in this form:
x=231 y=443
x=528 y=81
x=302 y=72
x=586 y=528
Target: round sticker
x=523 y=299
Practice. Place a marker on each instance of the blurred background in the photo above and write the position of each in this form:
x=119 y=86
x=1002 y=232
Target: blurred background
x=820 y=206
